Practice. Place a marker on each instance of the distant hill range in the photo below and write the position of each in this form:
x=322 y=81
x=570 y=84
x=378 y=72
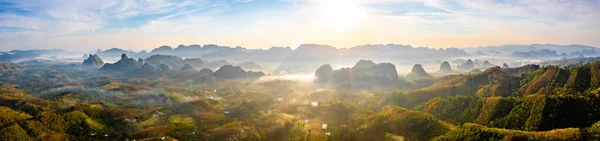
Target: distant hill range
x=209 y=52
x=313 y=55
x=572 y=61
x=535 y=50
x=364 y=74
x=309 y=56
x=15 y=55
x=174 y=67
x=305 y=56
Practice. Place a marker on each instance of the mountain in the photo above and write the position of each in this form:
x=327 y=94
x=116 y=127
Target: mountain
x=216 y=64
x=145 y=70
x=479 y=53
x=364 y=69
x=161 y=66
x=474 y=71
x=364 y=101
x=15 y=55
x=188 y=51
x=313 y=55
x=417 y=72
x=468 y=65
x=163 y=50
x=215 y=52
x=364 y=74
x=211 y=48
x=113 y=52
x=141 y=62
x=367 y=69
x=205 y=71
x=487 y=64
x=522 y=69
x=235 y=72
x=386 y=71
x=178 y=62
x=574 y=50
x=544 y=53
x=364 y=64
x=93 y=60
x=164 y=69
x=323 y=74
x=529 y=98
x=572 y=61
x=249 y=65
x=123 y=65
x=187 y=67
x=52 y=119
x=164 y=59
x=308 y=56
x=445 y=67
x=6 y=67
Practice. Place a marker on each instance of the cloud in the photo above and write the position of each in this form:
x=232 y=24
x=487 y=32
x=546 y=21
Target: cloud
x=66 y=17
x=178 y=14
x=242 y=1
x=483 y=13
x=64 y=22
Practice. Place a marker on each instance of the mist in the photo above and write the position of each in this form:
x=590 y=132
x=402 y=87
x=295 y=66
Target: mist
x=299 y=70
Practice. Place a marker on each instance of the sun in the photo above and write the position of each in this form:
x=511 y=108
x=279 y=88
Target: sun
x=340 y=15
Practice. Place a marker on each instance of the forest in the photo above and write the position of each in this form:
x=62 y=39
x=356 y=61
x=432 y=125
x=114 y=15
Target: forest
x=41 y=101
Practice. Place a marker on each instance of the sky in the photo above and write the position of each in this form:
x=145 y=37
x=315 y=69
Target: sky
x=145 y=24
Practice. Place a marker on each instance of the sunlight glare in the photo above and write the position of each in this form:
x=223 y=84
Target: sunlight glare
x=340 y=15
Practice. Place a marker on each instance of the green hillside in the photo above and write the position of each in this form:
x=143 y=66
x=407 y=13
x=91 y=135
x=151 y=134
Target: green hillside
x=527 y=103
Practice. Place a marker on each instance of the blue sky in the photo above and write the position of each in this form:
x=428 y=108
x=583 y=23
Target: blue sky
x=146 y=24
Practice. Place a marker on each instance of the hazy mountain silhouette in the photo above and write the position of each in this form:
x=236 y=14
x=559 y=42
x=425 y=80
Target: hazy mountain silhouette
x=113 y=52
x=323 y=74
x=15 y=55
x=187 y=67
x=313 y=55
x=531 y=50
x=467 y=65
x=417 y=72
x=93 y=60
x=364 y=74
x=445 y=67
x=123 y=65
x=544 y=53
x=235 y=72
